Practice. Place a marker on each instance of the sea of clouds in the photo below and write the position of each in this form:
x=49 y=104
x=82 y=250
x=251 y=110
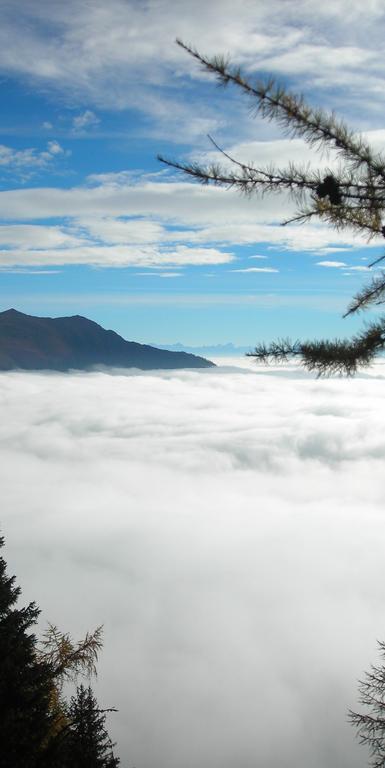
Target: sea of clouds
x=227 y=528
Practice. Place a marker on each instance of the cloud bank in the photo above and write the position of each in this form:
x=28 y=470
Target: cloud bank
x=227 y=528
x=124 y=221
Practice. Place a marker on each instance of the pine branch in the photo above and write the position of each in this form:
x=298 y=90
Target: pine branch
x=292 y=113
x=280 y=351
x=350 y=197
x=67 y=658
x=373 y=293
x=377 y=261
x=359 y=218
x=342 y=356
x=248 y=178
x=346 y=211
x=353 y=217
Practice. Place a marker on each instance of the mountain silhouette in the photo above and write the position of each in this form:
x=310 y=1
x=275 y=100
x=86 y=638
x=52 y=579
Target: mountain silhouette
x=62 y=343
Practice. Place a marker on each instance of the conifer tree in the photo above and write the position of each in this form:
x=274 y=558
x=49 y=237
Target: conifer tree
x=25 y=682
x=353 y=197
x=67 y=660
x=38 y=729
x=370 y=724
x=87 y=743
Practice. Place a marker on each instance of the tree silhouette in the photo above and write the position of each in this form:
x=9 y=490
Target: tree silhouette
x=353 y=197
x=67 y=660
x=87 y=743
x=38 y=729
x=25 y=682
x=370 y=724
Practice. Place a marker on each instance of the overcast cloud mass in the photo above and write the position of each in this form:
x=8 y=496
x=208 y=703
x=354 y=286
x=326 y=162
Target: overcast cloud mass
x=226 y=527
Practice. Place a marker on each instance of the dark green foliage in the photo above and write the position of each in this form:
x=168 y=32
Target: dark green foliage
x=352 y=198
x=25 y=683
x=341 y=356
x=37 y=728
x=87 y=744
x=370 y=724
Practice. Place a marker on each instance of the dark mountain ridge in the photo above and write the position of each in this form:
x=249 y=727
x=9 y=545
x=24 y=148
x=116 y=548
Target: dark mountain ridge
x=62 y=343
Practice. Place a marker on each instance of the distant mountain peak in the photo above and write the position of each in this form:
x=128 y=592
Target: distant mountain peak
x=12 y=311
x=63 y=343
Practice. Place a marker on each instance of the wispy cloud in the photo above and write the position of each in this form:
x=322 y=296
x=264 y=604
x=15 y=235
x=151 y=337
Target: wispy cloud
x=86 y=252
x=159 y=274
x=86 y=120
x=256 y=269
x=106 y=58
x=23 y=271
x=332 y=264
x=26 y=161
x=342 y=264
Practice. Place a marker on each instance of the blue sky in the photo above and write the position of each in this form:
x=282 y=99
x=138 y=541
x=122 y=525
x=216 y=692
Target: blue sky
x=92 y=224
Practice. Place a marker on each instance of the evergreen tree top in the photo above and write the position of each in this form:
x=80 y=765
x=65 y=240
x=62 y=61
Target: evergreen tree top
x=88 y=743
x=25 y=682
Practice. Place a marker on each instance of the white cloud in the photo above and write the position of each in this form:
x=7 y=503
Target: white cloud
x=21 y=271
x=340 y=264
x=54 y=148
x=306 y=59
x=118 y=230
x=256 y=269
x=26 y=161
x=114 y=256
x=159 y=274
x=86 y=120
x=332 y=264
x=34 y=237
x=105 y=58
x=336 y=249
x=147 y=216
x=227 y=530
x=278 y=152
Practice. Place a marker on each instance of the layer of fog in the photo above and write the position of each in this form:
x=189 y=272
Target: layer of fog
x=227 y=528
